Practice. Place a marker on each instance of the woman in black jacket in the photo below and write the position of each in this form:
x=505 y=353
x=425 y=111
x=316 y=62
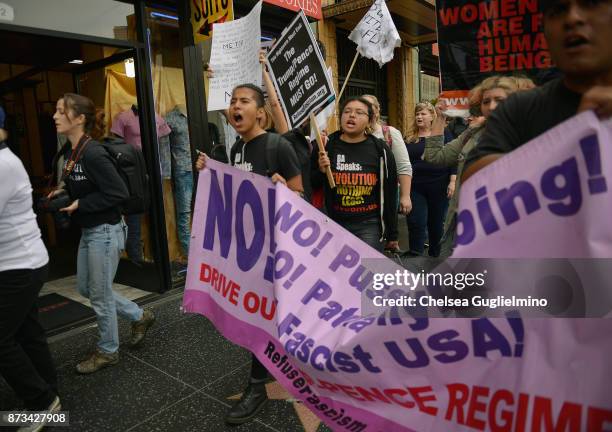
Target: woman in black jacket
x=364 y=171
x=97 y=191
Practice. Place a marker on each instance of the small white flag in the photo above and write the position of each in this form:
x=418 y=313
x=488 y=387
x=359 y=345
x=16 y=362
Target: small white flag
x=375 y=35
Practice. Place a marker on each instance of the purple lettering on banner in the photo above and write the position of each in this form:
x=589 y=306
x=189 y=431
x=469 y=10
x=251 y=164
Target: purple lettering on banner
x=317 y=250
x=286 y=325
x=488 y=338
x=506 y=200
x=220 y=211
x=285 y=218
x=321 y=350
x=487 y=219
x=592 y=156
x=320 y=291
x=287 y=260
x=421 y=359
x=568 y=171
x=361 y=278
x=345 y=362
x=271 y=207
x=311 y=238
x=247 y=256
x=365 y=358
x=466 y=228
x=516 y=323
x=451 y=350
x=347 y=257
x=299 y=271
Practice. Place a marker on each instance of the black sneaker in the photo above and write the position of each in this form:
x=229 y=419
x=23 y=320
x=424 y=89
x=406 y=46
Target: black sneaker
x=251 y=402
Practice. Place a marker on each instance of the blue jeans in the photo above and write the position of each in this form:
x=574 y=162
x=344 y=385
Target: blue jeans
x=97 y=262
x=429 y=206
x=368 y=231
x=134 y=244
x=183 y=190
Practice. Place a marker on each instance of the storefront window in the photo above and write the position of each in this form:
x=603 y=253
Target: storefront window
x=101 y=18
x=174 y=147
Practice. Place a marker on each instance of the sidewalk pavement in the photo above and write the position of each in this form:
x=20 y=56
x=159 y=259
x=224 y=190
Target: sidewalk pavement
x=183 y=378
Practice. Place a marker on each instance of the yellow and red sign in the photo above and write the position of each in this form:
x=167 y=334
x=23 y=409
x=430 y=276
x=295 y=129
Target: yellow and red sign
x=205 y=13
x=311 y=8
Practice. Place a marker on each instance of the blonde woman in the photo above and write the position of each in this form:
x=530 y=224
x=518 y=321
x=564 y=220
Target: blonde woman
x=486 y=97
x=432 y=186
x=395 y=141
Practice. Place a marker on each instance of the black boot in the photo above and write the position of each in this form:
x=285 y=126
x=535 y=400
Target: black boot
x=251 y=402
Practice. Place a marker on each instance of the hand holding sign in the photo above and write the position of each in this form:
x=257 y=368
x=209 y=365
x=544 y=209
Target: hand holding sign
x=439 y=123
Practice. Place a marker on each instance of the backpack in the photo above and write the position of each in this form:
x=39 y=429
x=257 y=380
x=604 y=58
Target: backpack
x=131 y=167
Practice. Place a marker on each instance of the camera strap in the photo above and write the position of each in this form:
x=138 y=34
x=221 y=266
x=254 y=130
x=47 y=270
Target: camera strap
x=75 y=156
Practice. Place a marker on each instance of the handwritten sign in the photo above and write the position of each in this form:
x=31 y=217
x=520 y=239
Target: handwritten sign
x=234 y=57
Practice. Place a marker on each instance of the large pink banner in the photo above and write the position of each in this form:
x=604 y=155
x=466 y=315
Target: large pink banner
x=280 y=279
x=549 y=198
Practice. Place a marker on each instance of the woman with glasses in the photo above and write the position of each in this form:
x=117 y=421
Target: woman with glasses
x=432 y=186
x=363 y=167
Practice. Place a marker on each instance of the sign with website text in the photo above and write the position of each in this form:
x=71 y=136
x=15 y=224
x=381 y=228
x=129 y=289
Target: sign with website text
x=205 y=13
x=298 y=71
x=311 y=8
x=479 y=38
x=279 y=278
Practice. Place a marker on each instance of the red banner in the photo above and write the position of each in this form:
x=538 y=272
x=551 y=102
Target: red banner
x=311 y=8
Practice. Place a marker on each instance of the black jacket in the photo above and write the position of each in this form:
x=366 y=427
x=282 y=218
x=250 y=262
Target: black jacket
x=388 y=187
x=102 y=191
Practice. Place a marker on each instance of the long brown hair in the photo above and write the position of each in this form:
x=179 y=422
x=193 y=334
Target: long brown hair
x=79 y=104
x=414 y=131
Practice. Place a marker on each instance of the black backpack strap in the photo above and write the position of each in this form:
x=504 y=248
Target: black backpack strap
x=272 y=145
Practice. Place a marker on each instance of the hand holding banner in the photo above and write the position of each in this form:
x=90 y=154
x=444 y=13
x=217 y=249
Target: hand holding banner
x=282 y=280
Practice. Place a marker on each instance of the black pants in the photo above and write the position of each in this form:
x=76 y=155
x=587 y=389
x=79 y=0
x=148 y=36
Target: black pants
x=25 y=360
x=258 y=370
x=429 y=206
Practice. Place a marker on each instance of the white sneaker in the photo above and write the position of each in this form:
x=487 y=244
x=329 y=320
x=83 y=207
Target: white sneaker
x=55 y=407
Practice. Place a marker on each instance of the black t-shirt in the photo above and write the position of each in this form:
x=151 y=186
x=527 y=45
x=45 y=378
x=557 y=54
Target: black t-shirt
x=251 y=157
x=426 y=172
x=524 y=116
x=355 y=167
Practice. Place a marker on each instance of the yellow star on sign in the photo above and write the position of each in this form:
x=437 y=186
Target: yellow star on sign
x=275 y=391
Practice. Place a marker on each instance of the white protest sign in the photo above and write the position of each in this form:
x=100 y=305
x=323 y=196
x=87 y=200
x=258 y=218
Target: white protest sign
x=375 y=35
x=235 y=57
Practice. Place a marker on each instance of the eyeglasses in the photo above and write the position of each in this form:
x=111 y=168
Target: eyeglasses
x=357 y=113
